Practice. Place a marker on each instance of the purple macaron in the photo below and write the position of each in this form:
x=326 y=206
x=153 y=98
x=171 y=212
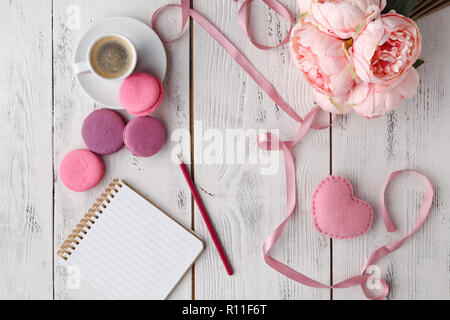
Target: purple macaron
x=144 y=136
x=102 y=131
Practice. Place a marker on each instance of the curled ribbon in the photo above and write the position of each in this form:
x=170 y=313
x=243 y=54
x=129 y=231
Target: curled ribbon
x=277 y=7
x=273 y=143
x=234 y=52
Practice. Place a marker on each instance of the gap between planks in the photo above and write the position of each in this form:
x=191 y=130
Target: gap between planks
x=53 y=160
x=331 y=173
x=191 y=128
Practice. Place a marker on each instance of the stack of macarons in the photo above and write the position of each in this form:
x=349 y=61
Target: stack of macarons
x=104 y=132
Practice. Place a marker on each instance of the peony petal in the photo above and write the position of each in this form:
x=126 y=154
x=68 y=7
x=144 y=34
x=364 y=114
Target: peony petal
x=341 y=83
x=392 y=100
x=340 y=18
x=366 y=107
x=333 y=65
x=408 y=86
x=364 y=47
x=304 y=5
x=378 y=101
x=358 y=94
x=335 y=105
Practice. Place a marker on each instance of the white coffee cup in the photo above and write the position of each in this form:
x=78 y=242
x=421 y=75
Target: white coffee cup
x=91 y=66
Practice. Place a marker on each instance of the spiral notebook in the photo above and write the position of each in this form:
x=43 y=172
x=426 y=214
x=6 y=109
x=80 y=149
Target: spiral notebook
x=127 y=248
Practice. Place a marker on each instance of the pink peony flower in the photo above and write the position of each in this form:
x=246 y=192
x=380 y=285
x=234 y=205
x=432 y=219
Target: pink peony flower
x=322 y=60
x=371 y=73
x=373 y=100
x=341 y=18
x=386 y=49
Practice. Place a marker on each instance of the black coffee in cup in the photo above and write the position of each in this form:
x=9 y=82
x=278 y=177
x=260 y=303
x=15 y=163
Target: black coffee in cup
x=112 y=57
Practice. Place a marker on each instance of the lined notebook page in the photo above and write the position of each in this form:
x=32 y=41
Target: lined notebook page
x=134 y=250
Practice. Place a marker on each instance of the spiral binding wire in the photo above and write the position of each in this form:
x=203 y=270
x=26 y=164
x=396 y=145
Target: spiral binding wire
x=88 y=220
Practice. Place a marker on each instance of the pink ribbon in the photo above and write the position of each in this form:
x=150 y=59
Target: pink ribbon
x=273 y=143
x=277 y=7
x=235 y=53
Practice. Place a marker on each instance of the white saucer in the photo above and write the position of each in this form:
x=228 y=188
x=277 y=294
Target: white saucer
x=150 y=51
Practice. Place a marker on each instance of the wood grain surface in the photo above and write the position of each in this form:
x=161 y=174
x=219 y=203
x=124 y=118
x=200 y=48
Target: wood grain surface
x=207 y=96
x=26 y=197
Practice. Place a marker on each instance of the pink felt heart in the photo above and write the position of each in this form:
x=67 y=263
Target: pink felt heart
x=337 y=213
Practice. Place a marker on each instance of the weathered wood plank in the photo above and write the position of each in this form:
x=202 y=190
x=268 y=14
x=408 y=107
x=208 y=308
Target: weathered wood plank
x=26 y=139
x=246 y=206
x=414 y=136
x=156 y=177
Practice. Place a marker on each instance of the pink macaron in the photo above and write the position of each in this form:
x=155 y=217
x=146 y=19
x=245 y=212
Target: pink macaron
x=81 y=170
x=141 y=93
x=144 y=136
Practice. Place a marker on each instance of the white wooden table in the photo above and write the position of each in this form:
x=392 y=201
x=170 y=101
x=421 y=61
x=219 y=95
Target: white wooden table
x=42 y=108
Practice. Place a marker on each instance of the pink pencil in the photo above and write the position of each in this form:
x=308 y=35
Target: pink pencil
x=205 y=216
